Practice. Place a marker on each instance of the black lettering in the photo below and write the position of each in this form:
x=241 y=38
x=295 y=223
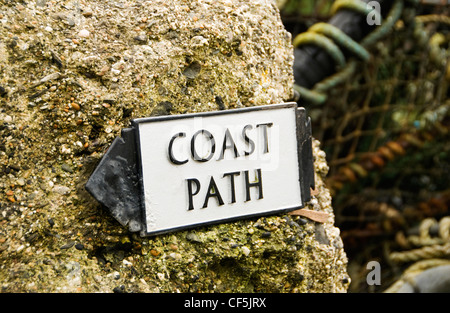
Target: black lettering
x=266 y=140
x=248 y=140
x=257 y=183
x=213 y=191
x=195 y=156
x=233 y=192
x=171 y=157
x=228 y=142
x=190 y=193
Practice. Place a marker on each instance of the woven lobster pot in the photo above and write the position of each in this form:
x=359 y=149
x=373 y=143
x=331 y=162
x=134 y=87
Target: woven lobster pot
x=383 y=122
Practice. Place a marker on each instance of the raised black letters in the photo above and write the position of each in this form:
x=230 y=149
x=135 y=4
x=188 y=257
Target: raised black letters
x=213 y=191
x=233 y=192
x=266 y=141
x=171 y=157
x=194 y=187
x=190 y=193
x=248 y=140
x=257 y=183
x=228 y=142
x=195 y=156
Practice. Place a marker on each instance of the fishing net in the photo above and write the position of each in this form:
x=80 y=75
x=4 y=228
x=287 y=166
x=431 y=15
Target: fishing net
x=383 y=122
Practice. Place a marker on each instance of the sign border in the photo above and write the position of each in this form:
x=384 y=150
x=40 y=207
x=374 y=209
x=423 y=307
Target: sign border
x=135 y=123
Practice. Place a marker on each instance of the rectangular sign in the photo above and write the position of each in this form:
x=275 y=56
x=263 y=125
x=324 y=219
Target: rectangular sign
x=213 y=167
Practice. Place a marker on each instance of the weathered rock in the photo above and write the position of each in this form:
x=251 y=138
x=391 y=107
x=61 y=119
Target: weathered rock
x=72 y=76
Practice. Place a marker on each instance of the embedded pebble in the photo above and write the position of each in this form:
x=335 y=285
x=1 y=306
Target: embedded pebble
x=119 y=289
x=84 y=33
x=175 y=256
x=193 y=237
x=126 y=262
x=51 y=222
x=62 y=190
x=192 y=70
x=75 y=106
x=160 y=276
x=141 y=39
x=67 y=168
x=68 y=245
x=116 y=275
x=245 y=250
x=87 y=12
x=154 y=252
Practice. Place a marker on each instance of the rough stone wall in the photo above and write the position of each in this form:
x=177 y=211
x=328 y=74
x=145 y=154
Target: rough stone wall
x=72 y=75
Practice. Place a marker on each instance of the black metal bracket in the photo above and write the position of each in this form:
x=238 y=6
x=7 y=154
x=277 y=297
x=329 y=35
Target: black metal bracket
x=306 y=158
x=115 y=181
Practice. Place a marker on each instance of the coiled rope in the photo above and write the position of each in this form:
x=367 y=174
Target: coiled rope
x=430 y=248
x=413 y=271
x=331 y=39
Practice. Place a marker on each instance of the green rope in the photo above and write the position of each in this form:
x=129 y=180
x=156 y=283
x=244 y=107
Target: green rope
x=323 y=42
x=336 y=79
x=318 y=35
x=341 y=38
x=354 y=5
x=310 y=95
x=386 y=26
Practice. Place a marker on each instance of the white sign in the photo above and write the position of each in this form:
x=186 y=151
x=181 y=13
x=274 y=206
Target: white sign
x=218 y=166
